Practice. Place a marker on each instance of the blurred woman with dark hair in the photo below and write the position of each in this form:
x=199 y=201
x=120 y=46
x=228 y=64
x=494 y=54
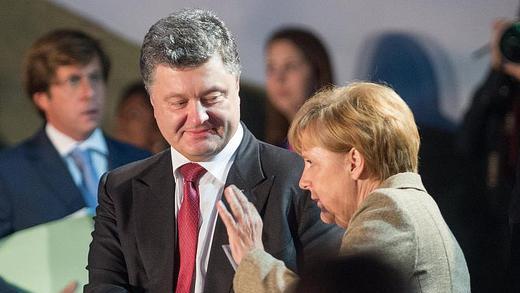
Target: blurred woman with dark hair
x=297 y=65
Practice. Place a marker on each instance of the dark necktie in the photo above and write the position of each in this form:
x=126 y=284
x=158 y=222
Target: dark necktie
x=188 y=225
x=89 y=179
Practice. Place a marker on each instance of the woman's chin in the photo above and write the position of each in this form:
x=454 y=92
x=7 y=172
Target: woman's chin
x=327 y=218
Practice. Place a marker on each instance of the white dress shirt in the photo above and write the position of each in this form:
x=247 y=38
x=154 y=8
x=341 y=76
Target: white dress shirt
x=211 y=187
x=95 y=145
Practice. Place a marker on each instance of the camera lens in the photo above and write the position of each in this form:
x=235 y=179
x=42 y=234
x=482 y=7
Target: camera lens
x=510 y=43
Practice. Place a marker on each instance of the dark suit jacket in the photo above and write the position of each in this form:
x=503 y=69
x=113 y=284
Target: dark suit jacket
x=36 y=186
x=134 y=243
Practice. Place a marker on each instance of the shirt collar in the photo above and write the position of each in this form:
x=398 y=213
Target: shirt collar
x=65 y=144
x=216 y=165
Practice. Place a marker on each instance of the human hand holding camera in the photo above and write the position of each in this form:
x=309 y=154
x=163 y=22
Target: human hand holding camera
x=505 y=45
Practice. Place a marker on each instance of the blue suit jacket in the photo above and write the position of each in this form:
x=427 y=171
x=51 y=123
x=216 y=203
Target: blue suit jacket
x=36 y=186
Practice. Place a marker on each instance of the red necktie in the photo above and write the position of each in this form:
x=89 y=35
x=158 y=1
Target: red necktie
x=188 y=225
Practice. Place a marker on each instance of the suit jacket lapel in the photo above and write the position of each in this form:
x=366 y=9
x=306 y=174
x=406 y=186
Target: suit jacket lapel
x=246 y=173
x=153 y=195
x=49 y=164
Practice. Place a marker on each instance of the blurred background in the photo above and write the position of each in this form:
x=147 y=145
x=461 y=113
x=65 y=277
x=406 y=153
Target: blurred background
x=424 y=49
x=359 y=34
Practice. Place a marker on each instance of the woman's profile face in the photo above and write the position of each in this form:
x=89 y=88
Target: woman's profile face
x=288 y=77
x=327 y=176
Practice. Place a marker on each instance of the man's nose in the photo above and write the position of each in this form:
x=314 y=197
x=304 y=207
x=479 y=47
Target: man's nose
x=87 y=88
x=198 y=113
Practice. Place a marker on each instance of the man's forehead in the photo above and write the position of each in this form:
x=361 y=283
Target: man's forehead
x=194 y=65
x=93 y=65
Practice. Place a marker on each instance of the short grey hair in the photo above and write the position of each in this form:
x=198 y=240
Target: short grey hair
x=188 y=38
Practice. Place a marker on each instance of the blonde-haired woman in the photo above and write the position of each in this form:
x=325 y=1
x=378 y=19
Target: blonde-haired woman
x=360 y=145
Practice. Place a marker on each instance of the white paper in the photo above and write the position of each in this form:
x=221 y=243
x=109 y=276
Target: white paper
x=227 y=251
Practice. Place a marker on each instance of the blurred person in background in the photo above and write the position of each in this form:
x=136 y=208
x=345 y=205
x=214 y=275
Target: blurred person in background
x=349 y=274
x=296 y=66
x=135 y=123
x=490 y=138
x=55 y=172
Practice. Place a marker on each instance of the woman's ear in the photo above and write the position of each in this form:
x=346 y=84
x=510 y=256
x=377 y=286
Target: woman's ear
x=355 y=164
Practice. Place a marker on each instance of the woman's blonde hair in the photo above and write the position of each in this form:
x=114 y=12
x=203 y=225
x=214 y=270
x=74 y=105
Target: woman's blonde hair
x=369 y=117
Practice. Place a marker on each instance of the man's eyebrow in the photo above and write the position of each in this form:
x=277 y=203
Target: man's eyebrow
x=212 y=89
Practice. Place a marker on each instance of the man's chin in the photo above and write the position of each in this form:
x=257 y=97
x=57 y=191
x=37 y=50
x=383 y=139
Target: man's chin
x=84 y=133
x=201 y=153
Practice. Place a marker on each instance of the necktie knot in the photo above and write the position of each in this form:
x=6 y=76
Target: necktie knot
x=80 y=158
x=192 y=172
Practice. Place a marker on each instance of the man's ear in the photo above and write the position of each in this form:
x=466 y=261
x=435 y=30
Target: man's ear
x=151 y=101
x=355 y=164
x=41 y=100
x=237 y=84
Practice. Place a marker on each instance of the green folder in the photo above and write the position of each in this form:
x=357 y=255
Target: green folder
x=47 y=257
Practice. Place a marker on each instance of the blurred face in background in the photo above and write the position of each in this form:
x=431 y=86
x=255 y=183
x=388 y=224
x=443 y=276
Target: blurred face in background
x=74 y=102
x=289 y=77
x=136 y=124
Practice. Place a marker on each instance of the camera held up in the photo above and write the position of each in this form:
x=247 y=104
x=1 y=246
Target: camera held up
x=510 y=43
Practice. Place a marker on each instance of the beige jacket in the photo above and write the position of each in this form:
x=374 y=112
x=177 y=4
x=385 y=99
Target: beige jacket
x=398 y=221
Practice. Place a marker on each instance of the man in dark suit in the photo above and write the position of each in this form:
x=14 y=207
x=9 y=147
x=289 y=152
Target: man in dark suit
x=65 y=73
x=190 y=66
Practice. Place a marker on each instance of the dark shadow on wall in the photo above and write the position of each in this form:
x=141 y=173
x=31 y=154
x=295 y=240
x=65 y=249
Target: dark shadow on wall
x=415 y=68
x=402 y=61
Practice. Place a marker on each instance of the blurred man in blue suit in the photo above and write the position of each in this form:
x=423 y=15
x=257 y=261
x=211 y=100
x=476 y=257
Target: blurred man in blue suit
x=55 y=172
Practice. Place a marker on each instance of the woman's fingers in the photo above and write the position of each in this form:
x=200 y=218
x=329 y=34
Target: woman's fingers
x=227 y=218
x=236 y=206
